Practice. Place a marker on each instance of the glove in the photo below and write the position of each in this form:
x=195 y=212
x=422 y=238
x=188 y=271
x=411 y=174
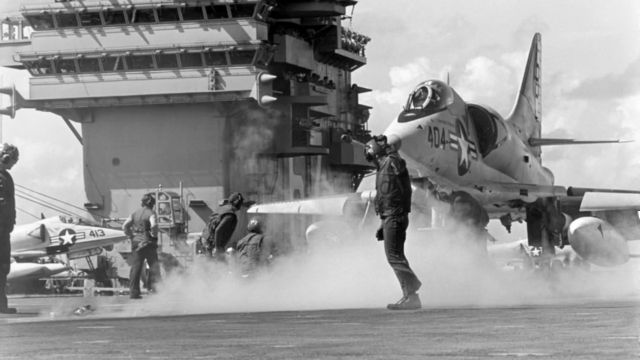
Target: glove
x=380 y=234
x=142 y=245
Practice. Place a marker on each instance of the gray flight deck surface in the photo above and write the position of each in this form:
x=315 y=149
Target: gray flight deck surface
x=578 y=328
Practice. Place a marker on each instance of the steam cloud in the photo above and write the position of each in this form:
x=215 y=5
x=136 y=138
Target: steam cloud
x=354 y=274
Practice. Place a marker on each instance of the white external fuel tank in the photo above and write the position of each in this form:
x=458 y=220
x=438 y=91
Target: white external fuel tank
x=597 y=242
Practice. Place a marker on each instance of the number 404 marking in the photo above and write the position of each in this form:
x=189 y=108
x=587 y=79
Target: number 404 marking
x=436 y=137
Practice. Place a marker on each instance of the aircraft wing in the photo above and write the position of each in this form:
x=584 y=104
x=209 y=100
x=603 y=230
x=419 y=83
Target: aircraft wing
x=28 y=254
x=587 y=198
x=336 y=205
x=604 y=201
x=339 y=205
x=80 y=249
x=84 y=241
x=515 y=190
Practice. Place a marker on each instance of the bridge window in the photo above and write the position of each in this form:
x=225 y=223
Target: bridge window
x=64 y=66
x=191 y=60
x=140 y=62
x=167 y=61
x=215 y=58
x=159 y=59
x=88 y=65
x=168 y=14
x=40 y=22
x=242 y=57
x=242 y=10
x=217 y=12
x=38 y=67
x=113 y=63
x=190 y=13
x=114 y=17
x=66 y=20
x=141 y=16
x=264 y=56
x=90 y=19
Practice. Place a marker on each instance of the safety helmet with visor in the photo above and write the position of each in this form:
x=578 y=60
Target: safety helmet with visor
x=375 y=147
x=9 y=154
x=254 y=225
x=236 y=200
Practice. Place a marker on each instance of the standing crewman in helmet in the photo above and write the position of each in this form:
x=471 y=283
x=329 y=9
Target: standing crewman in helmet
x=142 y=229
x=221 y=225
x=8 y=157
x=393 y=204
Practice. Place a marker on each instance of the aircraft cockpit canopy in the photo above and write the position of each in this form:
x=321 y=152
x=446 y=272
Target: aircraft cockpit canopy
x=76 y=220
x=427 y=98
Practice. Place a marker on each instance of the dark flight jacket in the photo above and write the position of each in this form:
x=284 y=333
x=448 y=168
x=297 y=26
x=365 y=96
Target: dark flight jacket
x=225 y=227
x=7 y=202
x=393 y=187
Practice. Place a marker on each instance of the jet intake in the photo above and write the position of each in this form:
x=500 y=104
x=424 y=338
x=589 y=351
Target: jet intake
x=597 y=242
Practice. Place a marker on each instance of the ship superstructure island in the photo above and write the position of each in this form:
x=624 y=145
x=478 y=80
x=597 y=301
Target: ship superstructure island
x=202 y=98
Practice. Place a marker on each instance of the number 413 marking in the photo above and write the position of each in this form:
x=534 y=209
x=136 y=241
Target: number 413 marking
x=436 y=137
x=97 y=233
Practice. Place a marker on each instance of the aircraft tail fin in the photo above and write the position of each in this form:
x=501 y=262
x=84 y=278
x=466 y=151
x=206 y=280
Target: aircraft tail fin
x=526 y=115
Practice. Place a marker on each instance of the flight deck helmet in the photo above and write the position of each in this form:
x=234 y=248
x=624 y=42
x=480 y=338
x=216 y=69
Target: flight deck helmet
x=375 y=147
x=254 y=225
x=148 y=200
x=9 y=154
x=236 y=200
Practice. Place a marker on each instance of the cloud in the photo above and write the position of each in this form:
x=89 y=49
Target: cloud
x=610 y=86
x=485 y=80
x=602 y=165
x=50 y=156
x=9 y=8
x=388 y=103
x=528 y=27
x=481 y=80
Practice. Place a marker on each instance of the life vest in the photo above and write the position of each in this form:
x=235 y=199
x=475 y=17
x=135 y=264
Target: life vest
x=214 y=220
x=141 y=226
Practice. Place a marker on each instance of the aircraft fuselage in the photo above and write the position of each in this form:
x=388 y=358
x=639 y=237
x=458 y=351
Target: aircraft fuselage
x=465 y=146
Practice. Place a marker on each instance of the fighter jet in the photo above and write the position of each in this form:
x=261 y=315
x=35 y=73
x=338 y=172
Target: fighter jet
x=75 y=238
x=453 y=145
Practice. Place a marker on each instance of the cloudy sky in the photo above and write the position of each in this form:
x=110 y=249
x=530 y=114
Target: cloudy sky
x=590 y=68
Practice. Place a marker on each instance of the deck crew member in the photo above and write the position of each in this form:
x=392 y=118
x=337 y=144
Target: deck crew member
x=8 y=157
x=142 y=229
x=254 y=250
x=393 y=204
x=221 y=226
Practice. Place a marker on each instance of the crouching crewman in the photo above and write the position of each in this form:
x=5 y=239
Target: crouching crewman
x=255 y=250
